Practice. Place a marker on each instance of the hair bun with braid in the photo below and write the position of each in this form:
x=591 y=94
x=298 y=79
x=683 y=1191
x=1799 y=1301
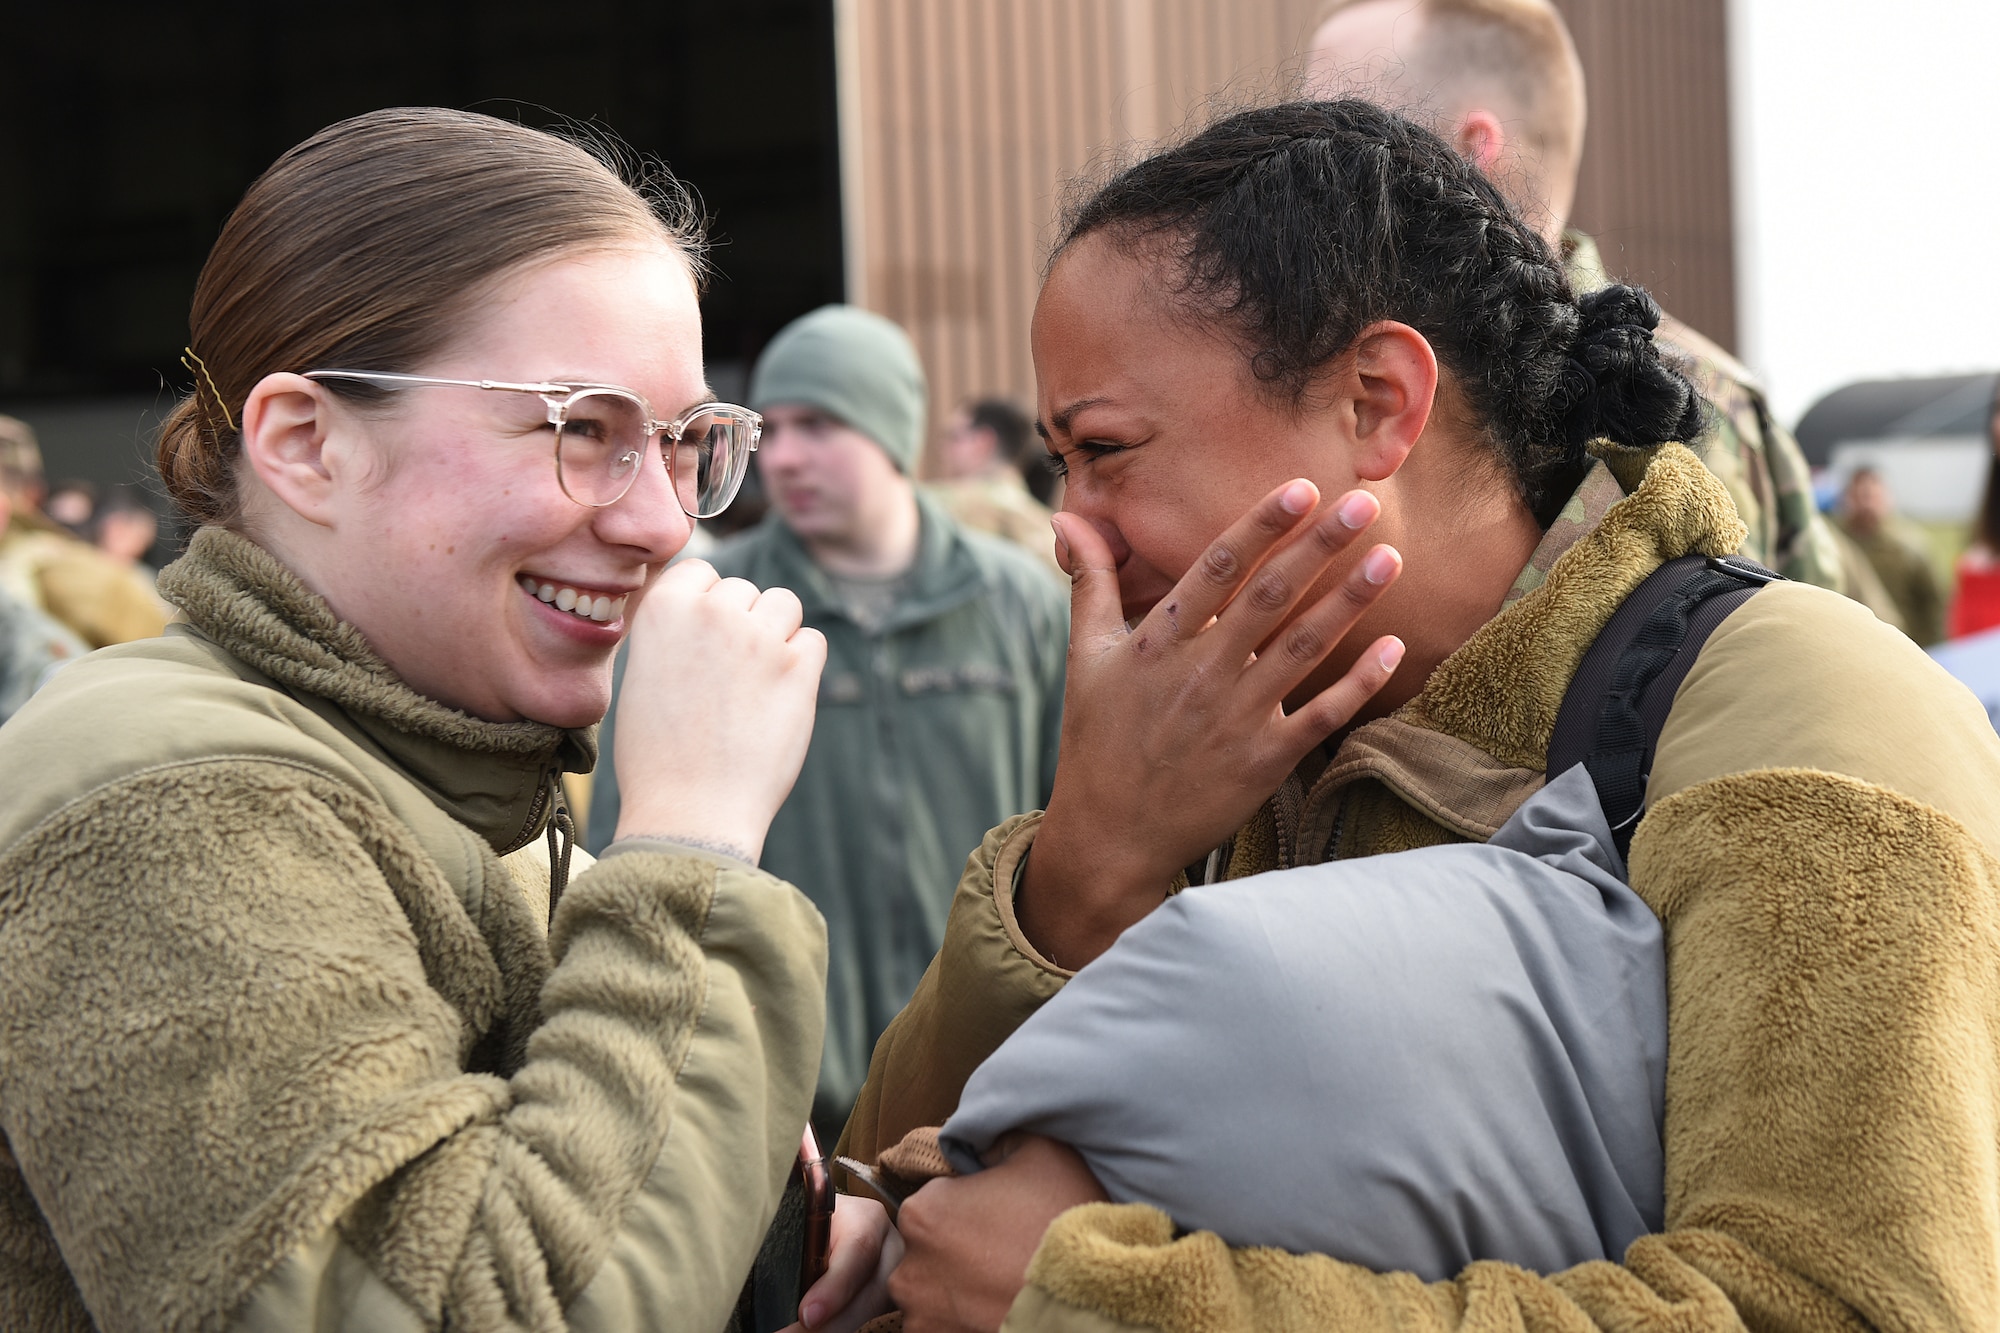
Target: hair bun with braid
x=1616 y=385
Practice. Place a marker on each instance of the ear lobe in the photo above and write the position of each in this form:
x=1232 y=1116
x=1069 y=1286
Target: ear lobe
x=285 y=429
x=1395 y=386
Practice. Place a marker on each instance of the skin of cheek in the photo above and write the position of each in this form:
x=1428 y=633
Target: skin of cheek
x=1207 y=443
x=462 y=497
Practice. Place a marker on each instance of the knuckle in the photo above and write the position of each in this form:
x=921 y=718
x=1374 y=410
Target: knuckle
x=1218 y=565
x=1270 y=592
x=1306 y=643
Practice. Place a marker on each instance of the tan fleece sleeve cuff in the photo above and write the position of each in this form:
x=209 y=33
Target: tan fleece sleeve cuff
x=717 y=854
x=1107 y=1266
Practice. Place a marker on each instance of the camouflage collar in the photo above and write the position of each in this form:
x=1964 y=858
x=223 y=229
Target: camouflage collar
x=1594 y=497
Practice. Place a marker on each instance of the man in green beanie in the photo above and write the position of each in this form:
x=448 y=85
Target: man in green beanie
x=942 y=698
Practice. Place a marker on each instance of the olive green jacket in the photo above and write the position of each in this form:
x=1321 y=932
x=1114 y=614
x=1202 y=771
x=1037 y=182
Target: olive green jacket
x=1819 y=844
x=932 y=728
x=291 y=1039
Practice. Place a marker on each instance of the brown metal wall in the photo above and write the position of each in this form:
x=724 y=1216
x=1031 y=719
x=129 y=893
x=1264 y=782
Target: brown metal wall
x=1655 y=184
x=963 y=118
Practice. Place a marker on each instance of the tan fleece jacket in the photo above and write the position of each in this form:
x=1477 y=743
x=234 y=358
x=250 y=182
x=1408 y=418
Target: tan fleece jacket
x=1819 y=845
x=286 y=1043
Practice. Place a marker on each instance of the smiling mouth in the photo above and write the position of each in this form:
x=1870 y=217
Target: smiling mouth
x=581 y=604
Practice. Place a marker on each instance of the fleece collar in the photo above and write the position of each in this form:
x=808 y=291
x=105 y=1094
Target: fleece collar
x=493 y=777
x=1472 y=746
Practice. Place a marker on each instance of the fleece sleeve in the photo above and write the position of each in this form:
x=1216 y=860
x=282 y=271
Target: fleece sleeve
x=232 y=1068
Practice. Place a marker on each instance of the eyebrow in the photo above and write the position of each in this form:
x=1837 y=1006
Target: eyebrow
x=1067 y=415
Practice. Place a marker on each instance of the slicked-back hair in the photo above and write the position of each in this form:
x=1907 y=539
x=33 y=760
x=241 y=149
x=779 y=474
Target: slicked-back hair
x=1297 y=226
x=362 y=247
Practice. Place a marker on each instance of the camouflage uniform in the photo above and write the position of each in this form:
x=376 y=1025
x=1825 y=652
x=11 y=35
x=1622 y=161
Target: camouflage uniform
x=999 y=502
x=1754 y=456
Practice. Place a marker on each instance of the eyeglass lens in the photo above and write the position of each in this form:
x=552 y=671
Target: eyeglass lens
x=602 y=443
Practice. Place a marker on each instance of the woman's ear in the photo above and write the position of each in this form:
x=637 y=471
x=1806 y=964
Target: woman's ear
x=1392 y=381
x=286 y=423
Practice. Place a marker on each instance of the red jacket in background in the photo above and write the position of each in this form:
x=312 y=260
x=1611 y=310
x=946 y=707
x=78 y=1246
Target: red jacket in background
x=1975 y=604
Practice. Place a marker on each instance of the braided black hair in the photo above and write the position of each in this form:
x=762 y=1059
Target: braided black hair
x=1305 y=222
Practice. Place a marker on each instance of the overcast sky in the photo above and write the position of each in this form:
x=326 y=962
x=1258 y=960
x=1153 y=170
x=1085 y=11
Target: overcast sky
x=1868 y=190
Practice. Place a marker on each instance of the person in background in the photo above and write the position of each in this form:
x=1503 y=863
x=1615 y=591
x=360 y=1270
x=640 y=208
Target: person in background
x=1500 y=81
x=988 y=447
x=73 y=503
x=44 y=566
x=942 y=698
x=32 y=645
x=1975 y=598
x=1867 y=514
x=125 y=527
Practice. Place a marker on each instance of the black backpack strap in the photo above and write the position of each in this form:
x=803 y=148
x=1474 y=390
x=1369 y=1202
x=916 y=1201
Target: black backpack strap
x=1617 y=703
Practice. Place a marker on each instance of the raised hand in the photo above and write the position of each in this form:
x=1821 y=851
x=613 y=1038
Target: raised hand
x=1175 y=730
x=721 y=682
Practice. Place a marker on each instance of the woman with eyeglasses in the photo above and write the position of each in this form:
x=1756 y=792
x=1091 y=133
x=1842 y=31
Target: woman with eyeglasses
x=312 y=1016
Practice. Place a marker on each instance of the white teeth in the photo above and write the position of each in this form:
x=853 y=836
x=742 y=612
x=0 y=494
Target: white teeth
x=601 y=608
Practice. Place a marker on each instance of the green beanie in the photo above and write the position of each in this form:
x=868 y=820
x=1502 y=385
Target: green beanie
x=852 y=365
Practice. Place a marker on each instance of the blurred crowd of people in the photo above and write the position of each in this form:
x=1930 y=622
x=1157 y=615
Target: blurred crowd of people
x=72 y=571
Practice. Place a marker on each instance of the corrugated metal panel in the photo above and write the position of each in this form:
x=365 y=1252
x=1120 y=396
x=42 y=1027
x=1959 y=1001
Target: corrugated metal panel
x=1655 y=183
x=962 y=119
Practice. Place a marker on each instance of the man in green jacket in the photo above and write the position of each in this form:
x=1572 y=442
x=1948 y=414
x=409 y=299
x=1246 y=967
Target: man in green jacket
x=942 y=697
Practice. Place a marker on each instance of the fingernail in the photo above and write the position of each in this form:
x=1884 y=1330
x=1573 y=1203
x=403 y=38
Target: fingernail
x=1296 y=498
x=809 y=1314
x=1391 y=654
x=1062 y=543
x=1380 y=565
x=1358 y=509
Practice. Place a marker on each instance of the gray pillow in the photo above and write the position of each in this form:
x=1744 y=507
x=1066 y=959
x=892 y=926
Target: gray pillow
x=1408 y=1061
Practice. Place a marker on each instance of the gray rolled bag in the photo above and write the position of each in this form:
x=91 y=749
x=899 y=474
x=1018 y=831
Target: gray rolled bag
x=1408 y=1061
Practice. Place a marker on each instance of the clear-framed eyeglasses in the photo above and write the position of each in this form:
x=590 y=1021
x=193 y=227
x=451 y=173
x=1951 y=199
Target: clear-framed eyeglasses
x=603 y=433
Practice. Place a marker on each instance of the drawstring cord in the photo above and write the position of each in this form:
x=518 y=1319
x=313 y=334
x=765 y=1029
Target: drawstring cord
x=562 y=840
